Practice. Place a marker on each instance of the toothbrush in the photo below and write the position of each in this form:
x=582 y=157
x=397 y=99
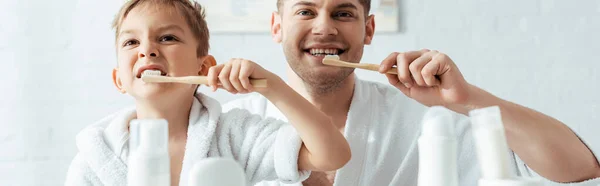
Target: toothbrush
x=154 y=76
x=334 y=60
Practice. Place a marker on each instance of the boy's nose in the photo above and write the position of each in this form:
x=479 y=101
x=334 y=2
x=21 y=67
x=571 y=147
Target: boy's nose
x=152 y=54
x=148 y=51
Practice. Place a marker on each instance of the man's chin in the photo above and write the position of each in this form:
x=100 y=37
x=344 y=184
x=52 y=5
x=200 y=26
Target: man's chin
x=325 y=76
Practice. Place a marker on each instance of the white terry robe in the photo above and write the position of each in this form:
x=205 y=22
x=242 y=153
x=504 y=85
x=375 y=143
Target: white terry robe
x=382 y=129
x=267 y=149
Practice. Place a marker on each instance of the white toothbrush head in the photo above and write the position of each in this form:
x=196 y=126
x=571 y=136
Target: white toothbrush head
x=151 y=73
x=330 y=59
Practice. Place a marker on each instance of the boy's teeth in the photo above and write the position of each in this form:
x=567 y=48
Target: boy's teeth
x=323 y=51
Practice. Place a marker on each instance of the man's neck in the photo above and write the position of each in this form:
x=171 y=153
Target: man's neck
x=176 y=111
x=334 y=103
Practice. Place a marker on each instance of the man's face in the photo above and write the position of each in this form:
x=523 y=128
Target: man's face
x=310 y=29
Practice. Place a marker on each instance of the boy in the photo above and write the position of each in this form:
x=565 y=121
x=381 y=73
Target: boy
x=171 y=36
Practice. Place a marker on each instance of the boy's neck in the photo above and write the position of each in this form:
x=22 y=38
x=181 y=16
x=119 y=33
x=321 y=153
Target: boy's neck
x=335 y=103
x=176 y=111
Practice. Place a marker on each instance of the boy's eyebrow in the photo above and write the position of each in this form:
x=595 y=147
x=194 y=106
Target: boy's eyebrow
x=126 y=32
x=169 y=27
x=160 y=29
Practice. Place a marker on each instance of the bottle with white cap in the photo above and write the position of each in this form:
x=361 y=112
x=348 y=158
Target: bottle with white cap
x=492 y=150
x=437 y=149
x=149 y=163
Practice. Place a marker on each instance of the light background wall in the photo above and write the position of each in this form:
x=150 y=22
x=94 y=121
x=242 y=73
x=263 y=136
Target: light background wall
x=58 y=55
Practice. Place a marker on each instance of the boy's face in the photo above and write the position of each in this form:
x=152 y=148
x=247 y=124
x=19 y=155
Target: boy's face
x=306 y=27
x=158 y=40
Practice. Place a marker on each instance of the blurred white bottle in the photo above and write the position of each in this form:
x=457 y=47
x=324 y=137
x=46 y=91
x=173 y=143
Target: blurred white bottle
x=492 y=150
x=437 y=149
x=149 y=163
x=217 y=172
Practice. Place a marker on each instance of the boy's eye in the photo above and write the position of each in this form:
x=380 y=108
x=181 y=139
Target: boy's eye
x=168 y=38
x=130 y=42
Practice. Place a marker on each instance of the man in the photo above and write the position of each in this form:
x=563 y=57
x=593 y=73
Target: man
x=382 y=124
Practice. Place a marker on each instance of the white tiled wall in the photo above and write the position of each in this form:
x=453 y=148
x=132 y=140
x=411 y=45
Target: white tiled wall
x=58 y=55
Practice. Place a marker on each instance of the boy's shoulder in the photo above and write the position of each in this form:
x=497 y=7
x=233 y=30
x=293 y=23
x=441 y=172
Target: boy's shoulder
x=106 y=120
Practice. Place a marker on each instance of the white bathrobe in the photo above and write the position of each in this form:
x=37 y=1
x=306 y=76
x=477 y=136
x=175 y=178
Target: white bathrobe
x=266 y=148
x=382 y=129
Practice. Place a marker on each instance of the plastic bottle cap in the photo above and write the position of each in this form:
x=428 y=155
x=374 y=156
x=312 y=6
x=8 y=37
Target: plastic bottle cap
x=149 y=135
x=438 y=121
x=489 y=118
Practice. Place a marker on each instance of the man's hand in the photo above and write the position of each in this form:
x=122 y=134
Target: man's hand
x=428 y=76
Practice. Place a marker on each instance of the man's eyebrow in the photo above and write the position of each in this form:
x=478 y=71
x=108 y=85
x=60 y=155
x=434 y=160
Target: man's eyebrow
x=304 y=3
x=347 y=5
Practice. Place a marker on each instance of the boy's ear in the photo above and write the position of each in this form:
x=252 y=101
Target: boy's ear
x=276 y=27
x=369 y=29
x=117 y=81
x=206 y=62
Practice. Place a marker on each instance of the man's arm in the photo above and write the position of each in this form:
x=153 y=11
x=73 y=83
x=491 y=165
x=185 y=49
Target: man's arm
x=545 y=144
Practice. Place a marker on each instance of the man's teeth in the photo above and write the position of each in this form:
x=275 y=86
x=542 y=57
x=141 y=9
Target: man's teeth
x=323 y=51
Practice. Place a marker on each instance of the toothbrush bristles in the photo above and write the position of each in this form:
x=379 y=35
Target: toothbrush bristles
x=151 y=73
x=336 y=57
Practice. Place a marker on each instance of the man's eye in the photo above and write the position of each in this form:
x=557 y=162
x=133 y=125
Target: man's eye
x=343 y=14
x=305 y=13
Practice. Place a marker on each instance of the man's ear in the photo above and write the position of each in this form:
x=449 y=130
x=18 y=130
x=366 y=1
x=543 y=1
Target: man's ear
x=369 y=29
x=117 y=81
x=206 y=62
x=276 y=27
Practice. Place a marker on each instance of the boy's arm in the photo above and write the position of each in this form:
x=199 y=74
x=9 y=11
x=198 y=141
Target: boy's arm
x=324 y=148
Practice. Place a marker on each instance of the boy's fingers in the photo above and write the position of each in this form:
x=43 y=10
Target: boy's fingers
x=224 y=78
x=212 y=76
x=233 y=77
x=246 y=70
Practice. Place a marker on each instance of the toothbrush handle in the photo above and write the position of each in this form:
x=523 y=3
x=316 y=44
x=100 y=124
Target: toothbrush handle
x=365 y=66
x=374 y=67
x=195 y=80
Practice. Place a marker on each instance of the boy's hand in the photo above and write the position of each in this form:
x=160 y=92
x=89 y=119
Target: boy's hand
x=234 y=76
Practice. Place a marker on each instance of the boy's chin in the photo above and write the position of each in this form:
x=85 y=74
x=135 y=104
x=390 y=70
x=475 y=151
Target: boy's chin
x=153 y=93
x=157 y=93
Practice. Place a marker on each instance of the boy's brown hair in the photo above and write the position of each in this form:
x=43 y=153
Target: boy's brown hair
x=365 y=3
x=191 y=11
